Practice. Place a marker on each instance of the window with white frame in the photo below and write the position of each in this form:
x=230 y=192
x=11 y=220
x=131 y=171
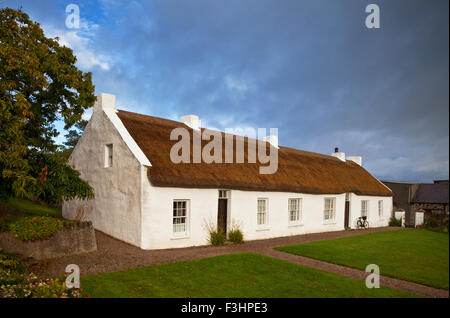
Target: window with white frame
x=365 y=208
x=261 y=216
x=180 y=216
x=329 y=209
x=295 y=210
x=108 y=155
x=380 y=209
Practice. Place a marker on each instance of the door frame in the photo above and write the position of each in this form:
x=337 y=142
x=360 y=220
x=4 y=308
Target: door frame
x=347 y=212
x=223 y=195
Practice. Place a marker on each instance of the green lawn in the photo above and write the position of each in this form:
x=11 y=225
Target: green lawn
x=16 y=208
x=235 y=275
x=420 y=256
x=31 y=208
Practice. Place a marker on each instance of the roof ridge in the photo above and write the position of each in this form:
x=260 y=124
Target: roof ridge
x=305 y=152
x=298 y=171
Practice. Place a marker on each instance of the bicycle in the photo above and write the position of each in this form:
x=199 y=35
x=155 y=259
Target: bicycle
x=362 y=223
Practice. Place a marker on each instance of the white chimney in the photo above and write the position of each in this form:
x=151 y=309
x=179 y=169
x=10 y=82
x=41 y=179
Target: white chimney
x=191 y=121
x=339 y=155
x=356 y=159
x=105 y=102
x=273 y=140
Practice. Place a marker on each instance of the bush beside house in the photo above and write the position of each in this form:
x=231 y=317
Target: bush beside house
x=395 y=222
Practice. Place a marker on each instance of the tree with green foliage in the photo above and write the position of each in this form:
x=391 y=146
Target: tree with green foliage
x=39 y=85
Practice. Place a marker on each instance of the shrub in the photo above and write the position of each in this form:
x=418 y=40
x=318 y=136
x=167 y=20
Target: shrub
x=432 y=222
x=395 y=222
x=10 y=269
x=35 y=228
x=30 y=286
x=4 y=222
x=439 y=229
x=15 y=282
x=10 y=262
x=216 y=238
x=10 y=277
x=235 y=235
x=50 y=288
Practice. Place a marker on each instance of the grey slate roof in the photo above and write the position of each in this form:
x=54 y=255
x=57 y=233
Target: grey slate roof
x=431 y=193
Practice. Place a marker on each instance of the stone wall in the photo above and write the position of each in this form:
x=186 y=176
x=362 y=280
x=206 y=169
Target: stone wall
x=73 y=239
x=438 y=212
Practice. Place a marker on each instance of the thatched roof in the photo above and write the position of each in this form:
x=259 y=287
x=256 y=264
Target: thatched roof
x=298 y=171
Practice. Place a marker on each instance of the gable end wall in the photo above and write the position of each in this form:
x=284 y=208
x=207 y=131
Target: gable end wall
x=116 y=209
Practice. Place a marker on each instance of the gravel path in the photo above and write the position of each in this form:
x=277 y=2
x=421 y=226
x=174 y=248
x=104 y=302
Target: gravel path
x=113 y=255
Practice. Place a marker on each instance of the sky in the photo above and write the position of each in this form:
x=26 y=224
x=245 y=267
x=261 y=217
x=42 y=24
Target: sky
x=311 y=68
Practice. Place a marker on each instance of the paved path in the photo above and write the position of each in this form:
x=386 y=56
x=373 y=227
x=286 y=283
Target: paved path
x=113 y=255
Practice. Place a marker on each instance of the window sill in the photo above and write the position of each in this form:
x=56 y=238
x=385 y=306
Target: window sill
x=295 y=224
x=262 y=229
x=181 y=237
x=333 y=222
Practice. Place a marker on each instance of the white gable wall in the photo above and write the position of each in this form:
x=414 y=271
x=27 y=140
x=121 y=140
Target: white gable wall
x=117 y=204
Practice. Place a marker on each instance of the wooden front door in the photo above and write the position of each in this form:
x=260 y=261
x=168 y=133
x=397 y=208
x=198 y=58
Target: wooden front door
x=222 y=216
x=347 y=214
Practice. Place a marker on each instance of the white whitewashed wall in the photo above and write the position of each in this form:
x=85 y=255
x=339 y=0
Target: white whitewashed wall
x=373 y=218
x=242 y=209
x=116 y=209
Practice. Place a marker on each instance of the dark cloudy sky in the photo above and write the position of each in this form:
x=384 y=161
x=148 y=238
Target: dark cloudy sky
x=310 y=68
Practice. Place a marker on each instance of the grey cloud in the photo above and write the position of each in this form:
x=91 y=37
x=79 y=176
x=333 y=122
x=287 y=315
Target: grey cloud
x=311 y=69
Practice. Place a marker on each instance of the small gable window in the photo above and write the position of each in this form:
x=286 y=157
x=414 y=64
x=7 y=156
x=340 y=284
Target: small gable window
x=108 y=155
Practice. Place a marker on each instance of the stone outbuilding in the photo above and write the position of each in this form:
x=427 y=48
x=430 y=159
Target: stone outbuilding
x=430 y=198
